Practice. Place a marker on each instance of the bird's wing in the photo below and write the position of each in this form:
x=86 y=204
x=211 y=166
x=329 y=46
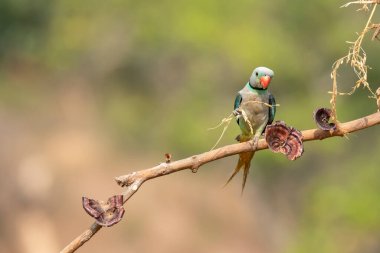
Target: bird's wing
x=272 y=109
x=238 y=100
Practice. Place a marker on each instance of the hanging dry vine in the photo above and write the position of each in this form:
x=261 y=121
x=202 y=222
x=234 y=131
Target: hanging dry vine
x=356 y=57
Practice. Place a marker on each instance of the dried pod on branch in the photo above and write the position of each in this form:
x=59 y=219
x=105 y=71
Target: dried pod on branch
x=284 y=139
x=322 y=117
x=105 y=214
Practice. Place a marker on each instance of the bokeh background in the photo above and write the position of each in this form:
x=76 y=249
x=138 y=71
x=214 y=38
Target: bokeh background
x=90 y=90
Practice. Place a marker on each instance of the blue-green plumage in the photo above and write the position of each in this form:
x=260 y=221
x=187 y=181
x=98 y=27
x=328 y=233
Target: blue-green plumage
x=237 y=104
x=272 y=109
x=237 y=101
x=254 y=108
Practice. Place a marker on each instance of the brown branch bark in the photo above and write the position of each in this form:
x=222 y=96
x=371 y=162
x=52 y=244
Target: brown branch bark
x=134 y=180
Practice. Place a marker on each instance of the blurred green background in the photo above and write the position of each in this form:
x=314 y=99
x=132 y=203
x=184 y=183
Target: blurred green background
x=90 y=90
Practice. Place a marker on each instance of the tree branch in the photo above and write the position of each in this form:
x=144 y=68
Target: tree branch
x=133 y=181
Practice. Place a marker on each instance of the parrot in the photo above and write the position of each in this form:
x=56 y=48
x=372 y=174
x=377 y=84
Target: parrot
x=254 y=109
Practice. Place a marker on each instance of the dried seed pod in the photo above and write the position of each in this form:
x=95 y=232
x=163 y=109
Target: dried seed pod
x=322 y=117
x=294 y=145
x=284 y=139
x=105 y=214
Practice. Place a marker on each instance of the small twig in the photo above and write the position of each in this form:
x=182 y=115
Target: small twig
x=364 y=2
x=133 y=181
x=226 y=122
x=245 y=117
x=263 y=103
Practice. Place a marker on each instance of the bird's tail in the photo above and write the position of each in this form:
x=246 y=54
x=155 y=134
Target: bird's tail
x=245 y=163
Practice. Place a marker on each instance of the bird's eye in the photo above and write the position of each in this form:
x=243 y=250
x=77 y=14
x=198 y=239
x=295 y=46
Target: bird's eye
x=257 y=74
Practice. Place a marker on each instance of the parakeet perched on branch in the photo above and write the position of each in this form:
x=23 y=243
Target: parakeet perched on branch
x=254 y=109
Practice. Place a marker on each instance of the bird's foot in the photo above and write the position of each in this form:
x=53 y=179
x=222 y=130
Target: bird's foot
x=255 y=142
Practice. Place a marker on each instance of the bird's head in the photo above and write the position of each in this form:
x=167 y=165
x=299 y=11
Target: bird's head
x=261 y=78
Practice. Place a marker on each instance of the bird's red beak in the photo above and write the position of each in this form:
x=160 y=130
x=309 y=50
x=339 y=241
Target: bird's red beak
x=265 y=80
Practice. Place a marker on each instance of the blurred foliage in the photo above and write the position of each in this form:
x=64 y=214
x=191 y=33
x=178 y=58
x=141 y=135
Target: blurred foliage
x=160 y=73
x=23 y=25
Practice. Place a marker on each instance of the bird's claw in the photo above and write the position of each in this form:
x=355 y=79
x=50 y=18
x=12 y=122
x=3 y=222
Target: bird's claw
x=255 y=142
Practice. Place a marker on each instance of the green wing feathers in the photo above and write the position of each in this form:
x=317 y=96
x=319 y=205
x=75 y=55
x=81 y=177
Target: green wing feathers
x=272 y=109
x=237 y=102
